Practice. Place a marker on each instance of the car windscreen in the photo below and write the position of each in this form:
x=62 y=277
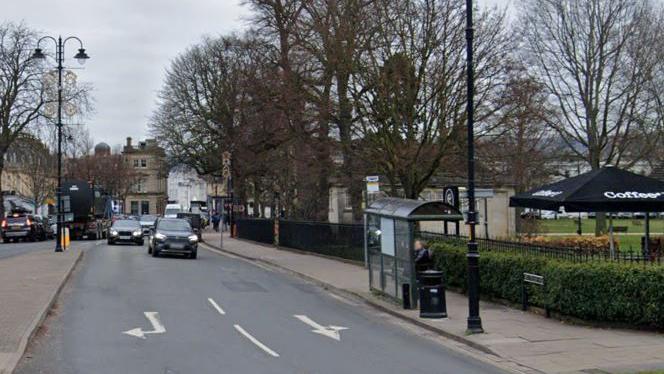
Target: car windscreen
x=174 y=225
x=172 y=211
x=148 y=218
x=126 y=224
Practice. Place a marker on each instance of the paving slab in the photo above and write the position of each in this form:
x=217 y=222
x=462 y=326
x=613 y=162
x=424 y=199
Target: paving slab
x=527 y=339
x=29 y=284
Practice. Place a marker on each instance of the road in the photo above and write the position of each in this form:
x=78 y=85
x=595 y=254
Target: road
x=14 y=249
x=219 y=315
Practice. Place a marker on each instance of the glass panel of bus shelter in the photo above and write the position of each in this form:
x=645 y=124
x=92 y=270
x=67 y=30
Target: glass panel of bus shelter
x=389 y=276
x=403 y=255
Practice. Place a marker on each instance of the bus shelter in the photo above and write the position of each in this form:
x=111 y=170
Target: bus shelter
x=391 y=226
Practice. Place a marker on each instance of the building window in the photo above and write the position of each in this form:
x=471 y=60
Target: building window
x=136 y=163
x=144 y=163
x=145 y=207
x=134 y=208
x=139 y=185
x=348 y=204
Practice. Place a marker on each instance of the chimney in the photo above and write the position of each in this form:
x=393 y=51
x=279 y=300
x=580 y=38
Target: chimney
x=129 y=141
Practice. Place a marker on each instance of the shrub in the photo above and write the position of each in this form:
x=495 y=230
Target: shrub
x=594 y=291
x=585 y=244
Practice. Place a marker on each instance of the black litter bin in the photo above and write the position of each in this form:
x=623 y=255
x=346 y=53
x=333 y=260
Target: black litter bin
x=432 y=295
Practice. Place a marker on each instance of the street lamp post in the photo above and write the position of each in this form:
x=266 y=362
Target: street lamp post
x=474 y=321
x=81 y=56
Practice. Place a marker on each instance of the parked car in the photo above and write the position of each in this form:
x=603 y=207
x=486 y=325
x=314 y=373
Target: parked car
x=173 y=236
x=125 y=231
x=23 y=226
x=49 y=232
x=548 y=214
x=147 y=223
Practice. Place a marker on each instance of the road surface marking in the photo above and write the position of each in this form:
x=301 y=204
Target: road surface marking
x=255 y=341
x=157 y=327
x=329 y=331
x=216 y=306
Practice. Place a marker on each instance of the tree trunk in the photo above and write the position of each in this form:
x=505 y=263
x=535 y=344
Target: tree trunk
x=2 y=196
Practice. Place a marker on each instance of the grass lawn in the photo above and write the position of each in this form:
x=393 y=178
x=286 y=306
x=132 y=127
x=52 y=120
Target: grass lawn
x=635 y=227
x=566 y=225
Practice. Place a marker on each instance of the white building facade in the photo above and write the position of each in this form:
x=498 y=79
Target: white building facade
x=185 y=185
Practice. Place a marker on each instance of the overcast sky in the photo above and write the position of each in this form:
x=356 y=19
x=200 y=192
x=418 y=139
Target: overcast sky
x=130 y=43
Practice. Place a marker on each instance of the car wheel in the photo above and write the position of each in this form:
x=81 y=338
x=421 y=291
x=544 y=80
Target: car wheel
x=141 y=243
x=110 y=242
x=155 y=252
x=193 y=255
x=149 y=249
x=33 y=237
x=5 y=240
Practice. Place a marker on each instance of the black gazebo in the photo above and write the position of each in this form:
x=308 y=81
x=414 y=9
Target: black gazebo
x=608 y=189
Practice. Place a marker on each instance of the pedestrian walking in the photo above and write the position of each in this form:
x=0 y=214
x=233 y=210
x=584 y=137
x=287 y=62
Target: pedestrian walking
x=215 y=221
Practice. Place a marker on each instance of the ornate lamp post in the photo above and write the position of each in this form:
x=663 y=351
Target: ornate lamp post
x=474 y=321
x=81 y=56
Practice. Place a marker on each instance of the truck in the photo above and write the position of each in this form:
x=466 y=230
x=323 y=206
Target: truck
x=87 y=210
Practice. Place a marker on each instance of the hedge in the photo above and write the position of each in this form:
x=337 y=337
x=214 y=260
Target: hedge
x=594 y=291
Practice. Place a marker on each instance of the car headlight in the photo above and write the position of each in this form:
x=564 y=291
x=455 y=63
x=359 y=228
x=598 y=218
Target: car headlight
x=193 y=238
x=138 y=233
x=114 y=233
x=159 y=236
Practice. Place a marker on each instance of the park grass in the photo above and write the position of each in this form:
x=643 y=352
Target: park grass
x=567 y=225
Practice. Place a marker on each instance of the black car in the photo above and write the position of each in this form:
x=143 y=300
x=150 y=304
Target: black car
x=125 y=231
x=22 y=226
x=147 y=223
x=173 y=236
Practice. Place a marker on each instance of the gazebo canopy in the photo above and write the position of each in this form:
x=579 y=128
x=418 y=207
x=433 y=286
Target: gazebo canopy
x=608 y=189
x=414 y=210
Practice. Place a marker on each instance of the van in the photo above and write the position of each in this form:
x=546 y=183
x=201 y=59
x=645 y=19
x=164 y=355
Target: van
x=172 y=210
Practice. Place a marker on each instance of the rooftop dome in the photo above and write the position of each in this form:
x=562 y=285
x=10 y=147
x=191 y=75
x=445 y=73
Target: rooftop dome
x=102 y=149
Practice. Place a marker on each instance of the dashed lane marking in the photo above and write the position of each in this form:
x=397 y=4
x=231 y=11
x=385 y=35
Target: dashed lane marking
x=260 y=345
x=216 y=306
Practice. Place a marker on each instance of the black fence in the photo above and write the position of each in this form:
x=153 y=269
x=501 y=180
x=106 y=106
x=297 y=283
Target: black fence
x=256 y=229
x=336 y=240
x=561 y=253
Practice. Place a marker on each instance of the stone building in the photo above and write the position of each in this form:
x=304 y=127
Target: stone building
x=148 y=194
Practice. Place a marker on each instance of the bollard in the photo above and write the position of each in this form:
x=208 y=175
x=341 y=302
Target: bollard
x=405 y=293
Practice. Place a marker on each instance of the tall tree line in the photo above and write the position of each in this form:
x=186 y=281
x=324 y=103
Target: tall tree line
x=323 y=92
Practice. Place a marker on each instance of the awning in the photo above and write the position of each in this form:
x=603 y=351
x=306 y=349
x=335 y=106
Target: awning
x=607 y=189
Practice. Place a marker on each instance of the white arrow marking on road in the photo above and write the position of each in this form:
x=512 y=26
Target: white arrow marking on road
x=256 y=341
x=329 y=331
x=216 y=306
x=157 y=327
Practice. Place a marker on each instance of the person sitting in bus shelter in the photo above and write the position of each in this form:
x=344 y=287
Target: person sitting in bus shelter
x=423 y=256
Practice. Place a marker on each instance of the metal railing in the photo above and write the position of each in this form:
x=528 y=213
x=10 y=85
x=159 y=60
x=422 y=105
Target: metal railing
x=256 y=229
x=330 y=239
x=574 y=254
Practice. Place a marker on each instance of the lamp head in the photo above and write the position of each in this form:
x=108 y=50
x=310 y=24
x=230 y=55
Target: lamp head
x=81 y=56
x=38 y=54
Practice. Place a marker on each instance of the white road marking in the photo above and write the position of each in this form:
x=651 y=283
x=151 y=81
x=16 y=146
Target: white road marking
x=329 y=331
x=216 y=306
x=157 y=327
x=255 y=341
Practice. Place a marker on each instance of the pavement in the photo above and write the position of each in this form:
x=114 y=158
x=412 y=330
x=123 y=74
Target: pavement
x=123 y=311
x=529 y=342
x=31 y=275
x=15 y=249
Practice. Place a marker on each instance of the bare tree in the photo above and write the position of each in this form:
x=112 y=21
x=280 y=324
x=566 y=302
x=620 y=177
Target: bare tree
x=412 y=88
x=596 y=61
x=21 y=90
